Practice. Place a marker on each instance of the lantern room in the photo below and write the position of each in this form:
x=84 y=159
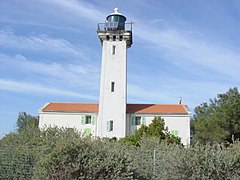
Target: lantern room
x=115 y=21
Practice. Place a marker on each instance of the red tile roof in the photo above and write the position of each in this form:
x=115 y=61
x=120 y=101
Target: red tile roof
x=157 y=108
x=131 y=108
x=71 y=107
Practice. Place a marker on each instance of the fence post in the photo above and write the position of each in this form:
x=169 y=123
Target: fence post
x=154 y=163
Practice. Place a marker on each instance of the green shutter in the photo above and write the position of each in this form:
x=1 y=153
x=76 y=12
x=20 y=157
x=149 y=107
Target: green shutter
x=132 y=120
x=83 y=120
x=174 y=132
x=108 y=126
x=143 y=120
x=93 y=119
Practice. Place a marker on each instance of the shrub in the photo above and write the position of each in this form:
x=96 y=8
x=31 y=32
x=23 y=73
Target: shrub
x=63 y=154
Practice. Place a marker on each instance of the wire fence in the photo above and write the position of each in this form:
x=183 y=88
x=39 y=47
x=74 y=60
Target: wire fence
x=149 y=161
x=16 y=162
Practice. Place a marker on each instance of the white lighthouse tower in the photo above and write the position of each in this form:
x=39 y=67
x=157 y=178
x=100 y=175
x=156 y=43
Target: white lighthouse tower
x=115 y=36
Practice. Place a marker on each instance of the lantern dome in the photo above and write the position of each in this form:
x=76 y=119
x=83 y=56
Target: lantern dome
x=116 y=20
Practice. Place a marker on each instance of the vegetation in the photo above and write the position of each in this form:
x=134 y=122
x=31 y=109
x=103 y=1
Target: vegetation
x=64 y=154
x=219 y=120
x=155 y=129
x=25 y=119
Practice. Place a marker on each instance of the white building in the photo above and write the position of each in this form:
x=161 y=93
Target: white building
x=113 y=117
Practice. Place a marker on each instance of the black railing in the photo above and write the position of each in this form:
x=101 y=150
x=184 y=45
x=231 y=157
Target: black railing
x=114 y=26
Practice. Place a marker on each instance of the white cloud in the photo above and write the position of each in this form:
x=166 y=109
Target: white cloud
x=75 y=75
x=63 y=15
x=184 y=50
x=169 y=89
x=33 y=88
x=79 y=8
x=29 y=22
x=39 y=43
x=140 y=94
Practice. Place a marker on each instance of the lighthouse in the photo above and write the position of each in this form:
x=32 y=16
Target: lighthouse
x=116 y=37
x=112 y=116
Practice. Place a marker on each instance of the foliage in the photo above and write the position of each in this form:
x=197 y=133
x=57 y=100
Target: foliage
x=71 y=157
x=16 y=162
x=219 y=120
x=155 y=129
x=63 y=154
x=18 y=153
x=25 y=119
x=197 y=162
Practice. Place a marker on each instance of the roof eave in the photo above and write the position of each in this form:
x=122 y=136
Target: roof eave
x=69 y=111
x=157 y=113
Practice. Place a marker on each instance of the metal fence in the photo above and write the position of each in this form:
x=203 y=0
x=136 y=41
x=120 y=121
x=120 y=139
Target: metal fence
x=16 y=162
x=149 y=161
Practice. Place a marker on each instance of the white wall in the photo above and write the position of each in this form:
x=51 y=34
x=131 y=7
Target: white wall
x=66 y=120
x=181 y=123
x=112 y=105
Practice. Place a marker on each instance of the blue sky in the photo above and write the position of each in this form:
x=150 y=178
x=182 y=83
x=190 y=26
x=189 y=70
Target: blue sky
x=50 y=52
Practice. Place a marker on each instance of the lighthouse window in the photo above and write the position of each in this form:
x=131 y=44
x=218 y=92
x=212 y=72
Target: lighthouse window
x=112 y=86
x=113 y=49
x=109 y=125
x=114 y=38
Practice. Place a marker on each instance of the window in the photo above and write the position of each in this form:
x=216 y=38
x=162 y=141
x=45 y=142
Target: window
x=112 y=86
x=110 y=126
x=137 y=120
x=88 y=120
x=113 y=50
x=174 y=133
x=114 y=38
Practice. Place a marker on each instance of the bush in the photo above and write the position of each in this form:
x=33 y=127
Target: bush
x=155 y=130
x=198 y=162
x=63 y=154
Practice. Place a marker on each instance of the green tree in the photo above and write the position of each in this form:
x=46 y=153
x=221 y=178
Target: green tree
x=18 y=150
x=155 y=129
x=218 y=120
x=25 y=119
